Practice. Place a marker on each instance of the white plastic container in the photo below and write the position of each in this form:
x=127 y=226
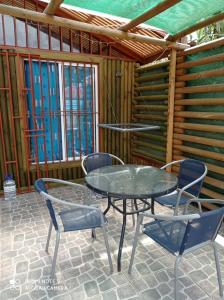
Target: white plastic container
x=9 y=187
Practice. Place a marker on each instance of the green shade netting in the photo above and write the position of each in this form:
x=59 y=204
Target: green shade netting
x=175 y=19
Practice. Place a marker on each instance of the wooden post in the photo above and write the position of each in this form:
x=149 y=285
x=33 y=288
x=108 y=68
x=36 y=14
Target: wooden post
x=52 y=7
x=169 y=145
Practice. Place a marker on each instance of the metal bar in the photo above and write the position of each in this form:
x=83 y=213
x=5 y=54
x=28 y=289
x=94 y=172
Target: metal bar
x=93 y=107
x=64 y=111
x=71 y=110
x=42 y=112
x=135 y=127
x=25 y=123
x=50 y=111
x=85 y=107
x=59 y=114
x=12 y=120
x=80 y=136
x=121 y=237
x=3 y=145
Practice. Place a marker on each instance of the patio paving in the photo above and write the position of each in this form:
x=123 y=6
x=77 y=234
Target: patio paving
x=82 y=266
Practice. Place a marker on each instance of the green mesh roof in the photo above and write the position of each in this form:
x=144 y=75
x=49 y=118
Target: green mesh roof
x=173 y=20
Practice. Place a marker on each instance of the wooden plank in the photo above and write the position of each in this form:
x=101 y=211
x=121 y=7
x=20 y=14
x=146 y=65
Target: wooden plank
x=153 y=66
x=151 y=97
x=201 y=89
x=201 y=101
x=201 y=62
x=200 y=127
x=154 y=87
x=170 y=118
x=148 y=155
x=150 y=117
x=150 y=107
x=200 y=115
x=200 y=152
x=148 y=145
x=212 y=194
x=76 y=25
x=199 y=75
x=214 y=182
x=152 y=77
x=198 y=139
x=162 y=6
x=203 y=47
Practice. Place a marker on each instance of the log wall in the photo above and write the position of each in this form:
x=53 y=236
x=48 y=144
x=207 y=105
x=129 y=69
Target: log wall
x=199 y=112
x=150 y=107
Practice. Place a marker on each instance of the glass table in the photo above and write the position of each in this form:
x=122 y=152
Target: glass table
x=130 y=182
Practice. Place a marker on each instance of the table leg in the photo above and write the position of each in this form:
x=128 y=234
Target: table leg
x=122 y=237
x=108 y=206
x=152 y=205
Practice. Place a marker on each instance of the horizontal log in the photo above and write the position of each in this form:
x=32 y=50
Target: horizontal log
x=198 y=139
x=201 y=89
x=152 y=66
x=150 y=117
x=199 y=75
x=200 y=115
x=202 y=101
x=151 y=97
x=151 y=107
x=148 y=155
x=200 y=127
x=200 y=62
x=152 y=77
x=204 y=153
x=212 y=194
x=214 y=182
x=153 y=87
x=149 y=145
x=76 y=25
x=150 y=136
x=203 y=47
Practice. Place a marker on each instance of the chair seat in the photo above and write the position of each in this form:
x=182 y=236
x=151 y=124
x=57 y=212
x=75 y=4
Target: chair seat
x=169 y=234
x=80 y=218
x=171 y=199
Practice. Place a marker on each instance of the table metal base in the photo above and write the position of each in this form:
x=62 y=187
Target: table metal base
x=124 y=212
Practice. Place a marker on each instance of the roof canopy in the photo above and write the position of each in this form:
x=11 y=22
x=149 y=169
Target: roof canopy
x=180 y=16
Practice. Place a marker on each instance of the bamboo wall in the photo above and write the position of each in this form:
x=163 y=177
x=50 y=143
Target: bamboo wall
x=199 y=112
x=150 y=106
x=115 y=93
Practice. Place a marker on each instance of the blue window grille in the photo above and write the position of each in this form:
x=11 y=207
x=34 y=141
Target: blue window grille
x=62 y=110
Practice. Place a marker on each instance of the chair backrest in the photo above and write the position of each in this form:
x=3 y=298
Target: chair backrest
x=190 y=170
x=202 y=230
x=40 y=186
x=98 y=160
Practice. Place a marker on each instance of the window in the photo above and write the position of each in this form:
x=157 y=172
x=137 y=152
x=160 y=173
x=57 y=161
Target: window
x=61 y=110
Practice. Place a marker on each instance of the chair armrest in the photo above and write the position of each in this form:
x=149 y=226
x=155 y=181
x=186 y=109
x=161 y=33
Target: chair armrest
x=171 y=163
x=60 y=181
x=82 y=165
x=198 y=200
x=172 y=217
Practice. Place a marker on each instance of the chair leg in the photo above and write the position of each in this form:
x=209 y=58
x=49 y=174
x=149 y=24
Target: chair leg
x=132 y=208
x=48 y=236
x=55 y=254
x=107 y=247
x=178 y=259
x=94 y=233
x=139 y=222
x=218 y=269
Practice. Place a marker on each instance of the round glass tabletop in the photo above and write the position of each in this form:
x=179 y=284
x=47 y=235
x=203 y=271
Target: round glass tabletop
x=131 y=181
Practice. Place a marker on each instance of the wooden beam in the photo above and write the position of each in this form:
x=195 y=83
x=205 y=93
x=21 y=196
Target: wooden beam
x=52 y=7
x=196 y=26
x=149 y=14
x=57 y=21
x=171 y=96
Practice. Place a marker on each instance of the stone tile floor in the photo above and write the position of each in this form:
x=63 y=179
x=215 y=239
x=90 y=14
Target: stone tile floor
x=82 y=267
